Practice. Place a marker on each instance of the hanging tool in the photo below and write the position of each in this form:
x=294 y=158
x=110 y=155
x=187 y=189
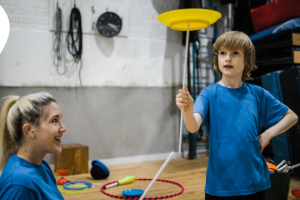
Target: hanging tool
x=75 y=43
x=57 y=45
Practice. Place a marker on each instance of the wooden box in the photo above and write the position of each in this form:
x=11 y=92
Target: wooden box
x=74 y=158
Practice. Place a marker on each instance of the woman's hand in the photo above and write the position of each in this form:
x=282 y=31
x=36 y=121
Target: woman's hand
x=184 y=99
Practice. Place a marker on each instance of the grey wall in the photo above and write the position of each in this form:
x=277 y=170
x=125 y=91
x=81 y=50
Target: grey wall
x=113 y=121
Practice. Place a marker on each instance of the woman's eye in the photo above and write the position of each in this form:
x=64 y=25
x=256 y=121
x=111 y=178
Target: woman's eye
x=54 y=120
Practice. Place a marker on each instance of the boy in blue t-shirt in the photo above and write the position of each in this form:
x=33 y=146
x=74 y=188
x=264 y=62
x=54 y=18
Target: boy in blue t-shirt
x=233 y=113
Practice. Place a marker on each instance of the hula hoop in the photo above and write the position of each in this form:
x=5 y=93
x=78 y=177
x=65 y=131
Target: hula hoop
x=72 y=192
x=146 y=198
x=81 y=188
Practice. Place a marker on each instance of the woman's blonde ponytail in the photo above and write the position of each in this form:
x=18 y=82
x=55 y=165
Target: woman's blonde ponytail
x=8 y=146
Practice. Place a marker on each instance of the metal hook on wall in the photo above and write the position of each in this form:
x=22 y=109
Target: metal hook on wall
x=74 y=3
x=93 y=10
x=93 y=26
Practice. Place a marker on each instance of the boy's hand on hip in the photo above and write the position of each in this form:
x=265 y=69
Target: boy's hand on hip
x=184 y=99
x=264 y=139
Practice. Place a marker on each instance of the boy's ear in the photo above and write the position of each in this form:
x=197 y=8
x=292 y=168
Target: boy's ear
x=28 y=130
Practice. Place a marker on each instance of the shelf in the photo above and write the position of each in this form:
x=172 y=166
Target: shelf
x=276 y=57
x=290 y=39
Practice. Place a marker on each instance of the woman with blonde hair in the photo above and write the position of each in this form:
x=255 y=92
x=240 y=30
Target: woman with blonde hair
x=30 y=127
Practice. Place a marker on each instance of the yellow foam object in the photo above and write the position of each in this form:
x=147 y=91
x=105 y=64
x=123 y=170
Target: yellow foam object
x=197 y=18
x=127 y=179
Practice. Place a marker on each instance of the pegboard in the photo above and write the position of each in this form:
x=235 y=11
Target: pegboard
x=90 y=11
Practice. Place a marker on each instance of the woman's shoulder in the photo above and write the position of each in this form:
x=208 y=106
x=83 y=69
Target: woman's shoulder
x=16 y=169
x=46 y=165
x=16 y=175
x=21 y=172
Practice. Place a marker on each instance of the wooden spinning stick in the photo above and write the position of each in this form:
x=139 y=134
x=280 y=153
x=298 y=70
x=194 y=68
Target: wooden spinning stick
x=188 y=20
x=156 y=176
x=183 y=83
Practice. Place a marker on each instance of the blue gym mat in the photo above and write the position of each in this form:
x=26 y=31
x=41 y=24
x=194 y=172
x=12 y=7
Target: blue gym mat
x=276 y=31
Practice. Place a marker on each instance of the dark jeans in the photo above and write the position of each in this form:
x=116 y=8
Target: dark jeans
x=255 y=196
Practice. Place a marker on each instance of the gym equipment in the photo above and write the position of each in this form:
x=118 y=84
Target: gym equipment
x=146 y=198
x=74 y=38
x=269 y=160
x=88 y=185
x=62 y=173
x=296 y=193
x=74 y=157
x=272 y=167
x=57 y=45
x=194 y=18
x=280 y=164
x=61 y=189
x=288 y=168
x=157 y=174
x=188 y=20
x=123 y=181
x=282 y=168
x=99 y=170
x=132 y=192
x=273 y=13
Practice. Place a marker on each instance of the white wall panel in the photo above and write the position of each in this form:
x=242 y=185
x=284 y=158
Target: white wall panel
x=27 y=60
x=147 y=55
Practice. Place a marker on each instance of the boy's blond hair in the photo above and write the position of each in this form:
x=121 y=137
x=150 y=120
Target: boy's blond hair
x=235 y=40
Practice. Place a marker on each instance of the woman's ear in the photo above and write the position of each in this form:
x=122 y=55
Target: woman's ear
x=28 y=130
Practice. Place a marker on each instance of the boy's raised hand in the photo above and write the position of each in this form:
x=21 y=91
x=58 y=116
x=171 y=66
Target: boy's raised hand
x=184 y=99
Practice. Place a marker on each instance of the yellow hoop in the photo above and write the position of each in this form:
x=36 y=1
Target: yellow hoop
x=62 y=190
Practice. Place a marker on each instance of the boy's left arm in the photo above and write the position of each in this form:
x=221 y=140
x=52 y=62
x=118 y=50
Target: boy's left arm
x=288 y=120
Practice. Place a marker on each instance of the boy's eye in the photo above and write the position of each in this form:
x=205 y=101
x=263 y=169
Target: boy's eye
x=222 y=53
x=236 y=53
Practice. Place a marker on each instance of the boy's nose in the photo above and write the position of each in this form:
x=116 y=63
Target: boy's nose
x=228 y=58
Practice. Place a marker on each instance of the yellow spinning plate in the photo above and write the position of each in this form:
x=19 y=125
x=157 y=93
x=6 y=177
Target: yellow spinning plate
x=190 y=19
x=196 y=18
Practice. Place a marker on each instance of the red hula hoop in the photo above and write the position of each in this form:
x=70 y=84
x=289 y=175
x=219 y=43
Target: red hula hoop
x=146 y=198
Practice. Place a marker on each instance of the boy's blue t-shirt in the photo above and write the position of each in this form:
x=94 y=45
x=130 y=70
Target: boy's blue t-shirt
x=22 y=180
x=233 y=120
